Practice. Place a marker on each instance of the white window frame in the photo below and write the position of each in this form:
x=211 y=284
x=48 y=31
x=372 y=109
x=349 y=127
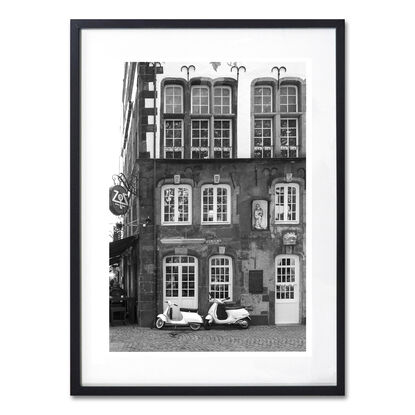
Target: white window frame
x=222 y=105
x=285 y=186
x=172 y=148
x=262 y=99
x=199 y=148
x=176 y=222
x=271 y=147
x=287 y=104
x=288 y=141
x=180 y=265
x=165 y=98
x=215 y=198
x=230 y=283
x=296 y=282
x=216 y=148
x=200 y=105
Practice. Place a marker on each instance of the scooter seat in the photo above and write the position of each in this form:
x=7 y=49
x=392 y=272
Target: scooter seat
x=233 y=307
x=189 y=310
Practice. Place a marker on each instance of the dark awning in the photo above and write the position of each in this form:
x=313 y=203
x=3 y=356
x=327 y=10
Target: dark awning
x=118 y=247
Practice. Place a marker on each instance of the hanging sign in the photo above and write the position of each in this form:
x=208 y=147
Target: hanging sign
x=118 y=200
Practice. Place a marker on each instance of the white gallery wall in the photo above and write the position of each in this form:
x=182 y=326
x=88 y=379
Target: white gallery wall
x=34 y=164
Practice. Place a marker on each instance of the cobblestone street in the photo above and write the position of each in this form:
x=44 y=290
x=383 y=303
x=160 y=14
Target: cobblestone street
x=218 y=339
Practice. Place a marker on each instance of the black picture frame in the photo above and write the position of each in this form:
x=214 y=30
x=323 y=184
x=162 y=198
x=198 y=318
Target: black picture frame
x=76 y=387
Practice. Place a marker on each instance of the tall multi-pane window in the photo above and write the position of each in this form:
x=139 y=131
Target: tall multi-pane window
x=173 y=139
x=200 y=100
x=180 y=276
x=289 y=137
x=286 y=203
x=222 y=100
x=288 y=99
x=216 y=204
x=220 y=277
x=286 y=279
x=176 y=205
x=173 y=99
x=263 y=138
x=222 y=139
x=200 y=139
x=262 y=99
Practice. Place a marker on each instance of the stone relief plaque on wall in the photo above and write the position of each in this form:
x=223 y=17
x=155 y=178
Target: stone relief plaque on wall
x=260 y=215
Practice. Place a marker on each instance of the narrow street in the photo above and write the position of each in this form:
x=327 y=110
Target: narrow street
x=218 y=339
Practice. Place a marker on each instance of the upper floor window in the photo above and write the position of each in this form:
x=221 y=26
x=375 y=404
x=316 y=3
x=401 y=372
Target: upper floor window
x=200 y=100
x=220 y=277
x=222 y=139
x=286 y=203
x=263 y=138
x=288 y=99
x=289 y=137
x=222 y=100
x=176 y=204
x=200 y=139
x=216 y=204
x=262 y=99
x=173 y=99
x=173 y=139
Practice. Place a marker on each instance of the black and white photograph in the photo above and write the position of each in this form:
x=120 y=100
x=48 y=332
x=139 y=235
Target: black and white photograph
x=201 y=170
x=207 y=246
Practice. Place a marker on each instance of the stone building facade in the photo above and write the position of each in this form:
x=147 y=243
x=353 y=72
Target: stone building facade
x=209 y=222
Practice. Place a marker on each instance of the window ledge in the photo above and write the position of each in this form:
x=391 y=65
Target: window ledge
x=176 y=223
x=215 y=223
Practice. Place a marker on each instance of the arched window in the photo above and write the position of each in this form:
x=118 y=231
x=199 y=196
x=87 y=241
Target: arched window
x=288 y=98
x=176 y=205
x=216 y=204
x=220 y=276
x=262 y=99
x=173 y=99
x=200 y=100
x=287 y=202
x=222 y=100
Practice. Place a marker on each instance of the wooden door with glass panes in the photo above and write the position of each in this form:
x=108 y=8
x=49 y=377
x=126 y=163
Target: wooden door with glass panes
x=287 y=280
x=180 y=281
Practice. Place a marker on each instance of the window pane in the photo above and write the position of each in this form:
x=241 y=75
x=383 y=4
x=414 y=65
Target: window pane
x=222 y=139
x=200 y=100
x=288 y=95
x=173 y=99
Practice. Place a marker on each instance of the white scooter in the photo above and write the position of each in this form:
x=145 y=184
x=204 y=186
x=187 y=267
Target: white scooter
x=188 y=318
x=219 y=314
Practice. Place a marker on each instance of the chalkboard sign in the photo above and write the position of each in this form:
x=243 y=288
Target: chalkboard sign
x=255 y=282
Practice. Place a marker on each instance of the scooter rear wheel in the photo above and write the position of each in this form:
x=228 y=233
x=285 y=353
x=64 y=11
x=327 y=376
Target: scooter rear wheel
x=243 y=324
x=195 y=326
x=159 y=323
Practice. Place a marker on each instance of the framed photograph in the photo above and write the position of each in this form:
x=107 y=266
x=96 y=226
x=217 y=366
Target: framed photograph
x=207 y=207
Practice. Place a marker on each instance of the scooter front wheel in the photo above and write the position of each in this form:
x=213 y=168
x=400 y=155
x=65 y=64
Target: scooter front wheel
x=195 y=326
x=159 y=323
x=207 y=324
